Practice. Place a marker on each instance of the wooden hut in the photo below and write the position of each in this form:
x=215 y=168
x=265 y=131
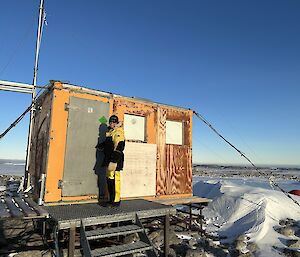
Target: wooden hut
x=65 y=166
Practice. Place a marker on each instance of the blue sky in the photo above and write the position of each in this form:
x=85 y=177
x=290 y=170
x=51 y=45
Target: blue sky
x=235 y=62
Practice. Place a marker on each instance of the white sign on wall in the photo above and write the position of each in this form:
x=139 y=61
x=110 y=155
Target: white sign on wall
x=134 y=127
x=174 y=132
x=139 y=174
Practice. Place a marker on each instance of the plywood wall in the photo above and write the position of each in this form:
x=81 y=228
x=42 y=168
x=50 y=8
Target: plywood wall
x=178 y=165
x=123 y=106
x=161 y=171
x=174 y=162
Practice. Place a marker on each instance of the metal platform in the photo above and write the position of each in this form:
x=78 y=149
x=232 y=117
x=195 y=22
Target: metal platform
x=67 y=216
x=20 y=207
x=183 y=200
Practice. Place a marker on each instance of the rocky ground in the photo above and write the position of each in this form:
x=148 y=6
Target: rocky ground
x=3 y=182
x=290 y=231
x=24 y=239
x=247 y=172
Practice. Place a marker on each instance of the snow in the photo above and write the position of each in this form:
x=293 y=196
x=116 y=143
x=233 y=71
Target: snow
x=247 y=207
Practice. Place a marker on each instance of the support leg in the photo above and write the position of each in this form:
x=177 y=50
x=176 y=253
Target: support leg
x=55 y=235
x=167 y=235
x=72 y=232
x=191 y=216
x=201 y=219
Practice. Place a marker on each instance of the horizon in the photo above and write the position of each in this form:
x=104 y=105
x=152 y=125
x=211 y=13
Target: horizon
x=214 y=164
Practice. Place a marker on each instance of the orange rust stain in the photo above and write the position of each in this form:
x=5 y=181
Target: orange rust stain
x=123 y=106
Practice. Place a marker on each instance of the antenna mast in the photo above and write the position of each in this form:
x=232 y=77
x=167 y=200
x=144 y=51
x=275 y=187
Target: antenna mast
x=38 y=44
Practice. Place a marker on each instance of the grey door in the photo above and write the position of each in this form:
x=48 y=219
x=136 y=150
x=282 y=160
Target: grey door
x=82 y=136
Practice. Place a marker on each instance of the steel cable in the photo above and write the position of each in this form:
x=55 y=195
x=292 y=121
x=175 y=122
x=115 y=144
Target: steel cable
x=271 y=181
x=21 y=116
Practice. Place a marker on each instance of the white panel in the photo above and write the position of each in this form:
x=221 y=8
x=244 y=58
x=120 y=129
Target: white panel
x=134 y=127
x=174 y=132
x=138 y=178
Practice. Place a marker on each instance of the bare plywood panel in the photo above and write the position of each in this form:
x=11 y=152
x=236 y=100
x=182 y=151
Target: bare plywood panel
x=138 y=177
x=179 y=169
x=174 y=162
x=161 y=175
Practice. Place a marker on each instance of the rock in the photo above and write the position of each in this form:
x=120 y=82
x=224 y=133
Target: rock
x=158 y=241
x=172 y=253
x=180 y=249
x=174 y=240
x=287 y=222
x=297 y=232
x=195 y=253
x=293 y=243
x=240 y=245
x=248 y=254
x=129 y=239
x=291 y=253
x=234 y=253
x=242 y=237
x=155 y=234
x=252 y=247
x=192 y=243
x=286 y=231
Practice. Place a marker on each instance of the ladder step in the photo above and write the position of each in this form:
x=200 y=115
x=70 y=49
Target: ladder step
x=120 y=250
x=114 y=231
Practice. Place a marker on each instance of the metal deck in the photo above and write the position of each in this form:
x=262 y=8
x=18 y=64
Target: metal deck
x=67 y=216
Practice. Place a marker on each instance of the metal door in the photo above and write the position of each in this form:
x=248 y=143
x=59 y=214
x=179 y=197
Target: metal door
x=80 y=177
